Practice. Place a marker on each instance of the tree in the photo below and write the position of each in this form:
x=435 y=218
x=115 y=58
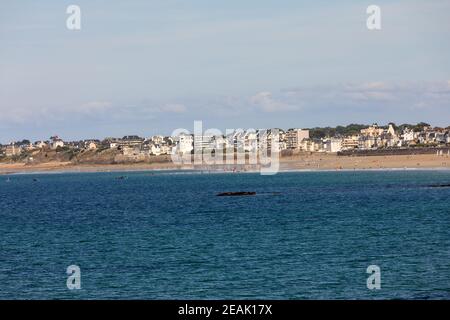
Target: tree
x=420 y=126
x=24 y=142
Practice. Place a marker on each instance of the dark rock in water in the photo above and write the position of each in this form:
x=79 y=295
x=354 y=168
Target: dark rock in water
x=241 y=193
x=445 y=185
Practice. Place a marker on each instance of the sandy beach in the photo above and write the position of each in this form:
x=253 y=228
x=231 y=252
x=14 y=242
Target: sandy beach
x=315 y=161
x=70 y=167
x=333 y=162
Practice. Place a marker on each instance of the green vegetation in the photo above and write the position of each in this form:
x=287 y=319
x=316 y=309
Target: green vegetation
x=351 y=129
x=73 y=153
x=415 y=127
x=63 y=149
x=354 y=129
x=424 y=145
x=102 y=148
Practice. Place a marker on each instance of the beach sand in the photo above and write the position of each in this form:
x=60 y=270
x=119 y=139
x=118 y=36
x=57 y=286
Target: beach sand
x=333 y=162
x=315 y=161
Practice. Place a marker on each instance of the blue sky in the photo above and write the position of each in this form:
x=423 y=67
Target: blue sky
x=148 y=67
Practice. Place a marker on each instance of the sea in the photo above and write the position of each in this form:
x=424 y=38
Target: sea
x=167 y=235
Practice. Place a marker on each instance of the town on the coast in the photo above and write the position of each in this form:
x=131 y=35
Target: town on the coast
x=340 y=140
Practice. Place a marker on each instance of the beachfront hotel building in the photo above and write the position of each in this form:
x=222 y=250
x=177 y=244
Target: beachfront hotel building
x=351 y=142
x=333 y=145
x=250 y=141
x=375 y=137
x=294 y=137
x=266 y=136
x=372 y=131
x=221 y=142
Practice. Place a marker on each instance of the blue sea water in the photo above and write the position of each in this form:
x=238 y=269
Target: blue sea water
x=166 y=235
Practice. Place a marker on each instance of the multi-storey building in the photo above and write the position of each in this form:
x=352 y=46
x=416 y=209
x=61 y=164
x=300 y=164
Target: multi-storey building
x=294 y=137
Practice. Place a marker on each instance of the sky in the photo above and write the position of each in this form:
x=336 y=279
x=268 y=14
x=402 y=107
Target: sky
x=151 y=67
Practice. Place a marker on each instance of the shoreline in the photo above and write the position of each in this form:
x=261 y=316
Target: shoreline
x=198 y=171
x=302 y=163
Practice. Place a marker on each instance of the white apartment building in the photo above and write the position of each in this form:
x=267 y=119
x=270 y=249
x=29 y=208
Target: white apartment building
x=56 y=143
x=155 y=149
x=40 y=144
x=157 y=139
x=294 y=137
x=333 y=145
x=250 y=141
x=221 y=142
x=351 y=142
x=185 y=143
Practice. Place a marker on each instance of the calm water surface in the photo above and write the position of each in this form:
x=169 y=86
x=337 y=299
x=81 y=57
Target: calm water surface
x=167 y=236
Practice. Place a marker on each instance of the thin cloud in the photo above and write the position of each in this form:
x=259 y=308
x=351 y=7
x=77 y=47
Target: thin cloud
x=94 y=106
x=267 y=103
x=172 y=108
